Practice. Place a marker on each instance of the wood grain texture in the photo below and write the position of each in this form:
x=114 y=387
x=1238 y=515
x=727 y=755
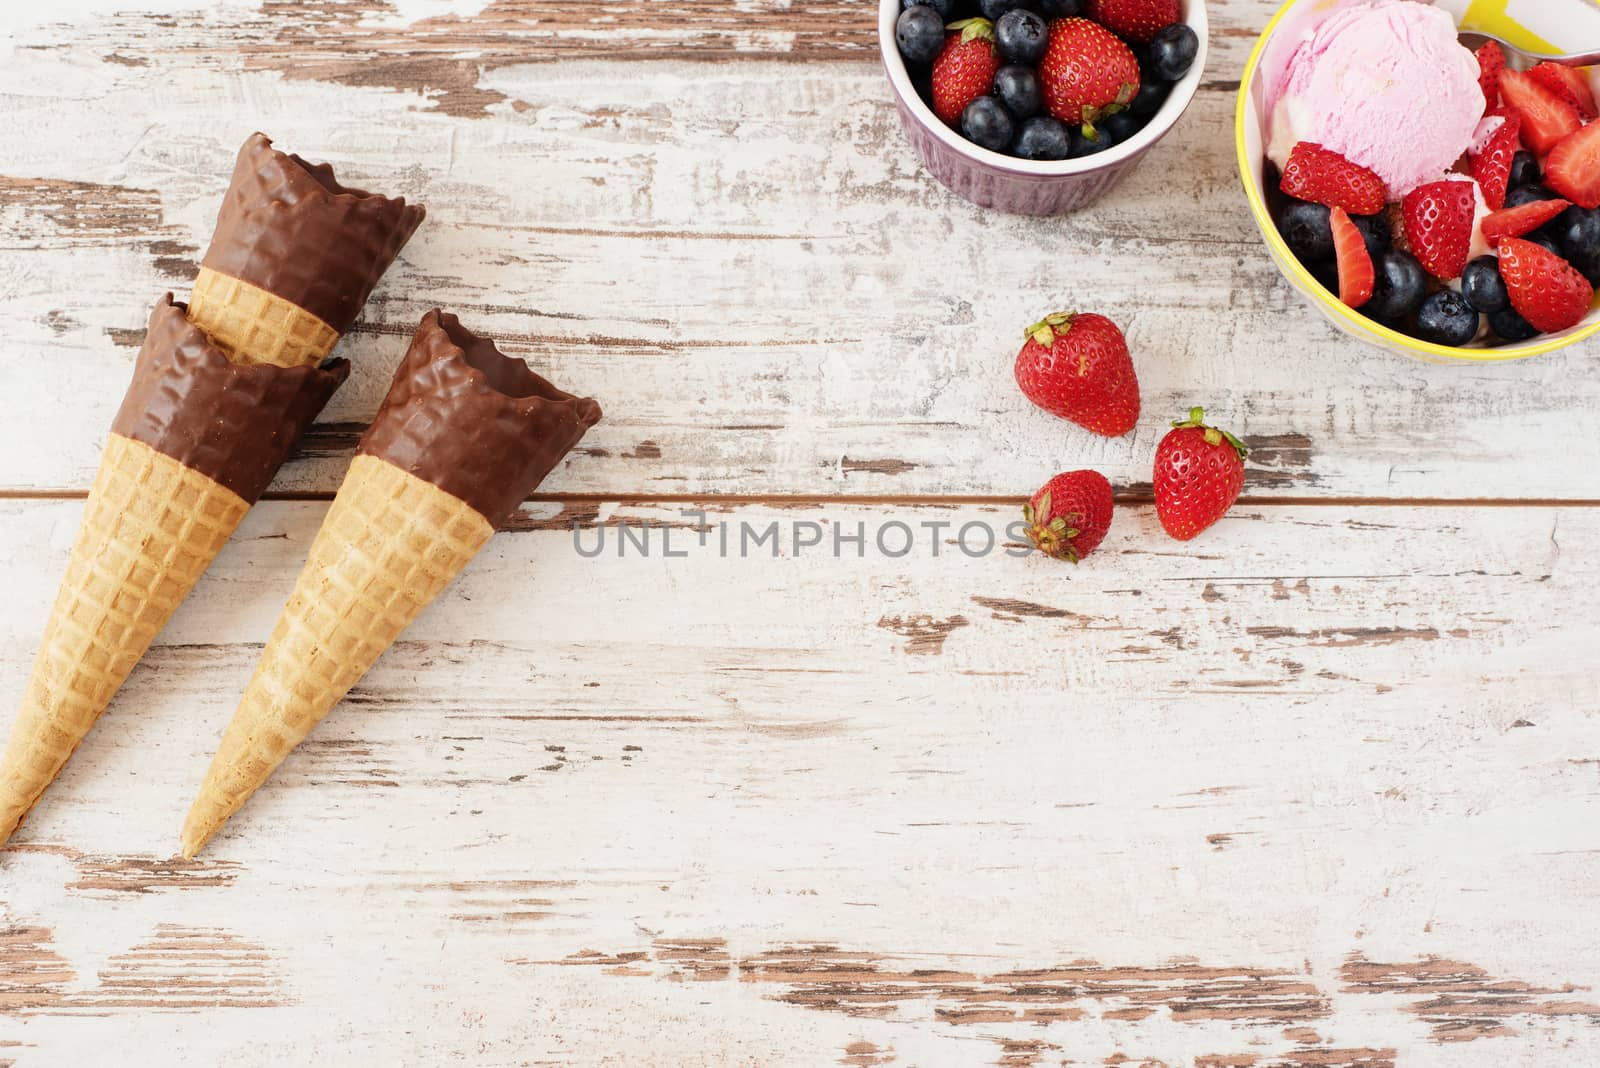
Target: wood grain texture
x=1171 y=808
x=804 y=313
x=1318 y=790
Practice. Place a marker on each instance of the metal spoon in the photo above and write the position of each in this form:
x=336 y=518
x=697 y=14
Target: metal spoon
x=1521 y=58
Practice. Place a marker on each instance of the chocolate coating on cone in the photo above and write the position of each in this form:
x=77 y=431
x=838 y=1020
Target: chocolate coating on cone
x=474 y=422
x=289 y=227
x=233 y=423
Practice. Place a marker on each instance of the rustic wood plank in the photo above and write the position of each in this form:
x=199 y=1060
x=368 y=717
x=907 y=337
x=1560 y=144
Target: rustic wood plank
x=738 y=259
x=1231 y=804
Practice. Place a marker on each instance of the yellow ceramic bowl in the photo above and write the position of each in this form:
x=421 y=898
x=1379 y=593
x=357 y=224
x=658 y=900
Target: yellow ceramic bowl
x=1547 y=25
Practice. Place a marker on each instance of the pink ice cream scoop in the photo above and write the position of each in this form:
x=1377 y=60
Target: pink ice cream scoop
x=1383 y=83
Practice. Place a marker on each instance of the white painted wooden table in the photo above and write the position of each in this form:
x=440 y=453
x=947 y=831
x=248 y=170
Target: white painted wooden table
x=1320 y=789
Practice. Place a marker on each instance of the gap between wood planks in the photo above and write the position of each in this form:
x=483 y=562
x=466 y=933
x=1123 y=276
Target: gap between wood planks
x=791 y=500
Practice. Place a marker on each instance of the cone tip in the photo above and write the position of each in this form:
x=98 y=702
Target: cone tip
x=193 y=839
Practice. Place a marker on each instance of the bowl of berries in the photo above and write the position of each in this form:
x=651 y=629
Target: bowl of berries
x=1428 y=174
x=1039 y=107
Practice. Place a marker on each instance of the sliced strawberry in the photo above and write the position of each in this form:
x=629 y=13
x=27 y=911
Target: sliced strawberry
x=1573 y=167
x=1569 y=83
x=1546 y=117
x=1545 y=289
x=1355 y=264
x=1522 y=219
x=1491 y=61
x=1438 y=221
x=1492 y=167
x=1320 y=175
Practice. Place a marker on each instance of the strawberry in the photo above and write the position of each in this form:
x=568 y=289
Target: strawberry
x=1569 y=83
x=964 y=71
x=1069 y=516
x=1356 y=275
x=1491 y=62
x=1087 y=73
x=1573 y=167
x=1322 y=175
x=1199 y=473
x=1438 y=220
x=1134 y=20
x=1078 y=367
x=1522 y=219
x=1546 y=117
x=1491 y=168
x=1545 y=289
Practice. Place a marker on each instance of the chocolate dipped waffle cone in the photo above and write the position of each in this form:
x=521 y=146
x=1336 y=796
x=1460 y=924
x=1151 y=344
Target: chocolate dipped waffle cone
x=463 y=436
x=294 y=257
x=197 y=439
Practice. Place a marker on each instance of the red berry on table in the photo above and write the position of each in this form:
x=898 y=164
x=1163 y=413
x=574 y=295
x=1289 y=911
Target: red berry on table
x=965 y=69
x=1491 y=168
x=1069 y=516
x=1573 y=167
x=1438 y=223
x=1323 y=176
x=1134 y=20
x=1198 y=475
x=1522 y=219
x=1078 y=367
x=1545 y=289
x=1491 y=62
x=1546 y=117
x=1087 y=72
x=1356 y=276
x=1569 y=83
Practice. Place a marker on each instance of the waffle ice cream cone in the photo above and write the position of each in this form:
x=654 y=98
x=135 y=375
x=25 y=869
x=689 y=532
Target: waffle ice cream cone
x=194 y=444
x=150 y=528
x=463 y=436
x=294 y=257
x=253 y=326
x=389 y=544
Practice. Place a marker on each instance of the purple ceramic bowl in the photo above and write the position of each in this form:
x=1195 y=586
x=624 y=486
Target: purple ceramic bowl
x=1021 y=186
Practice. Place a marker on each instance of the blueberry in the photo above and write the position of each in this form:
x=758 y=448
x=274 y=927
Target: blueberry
x=1577 y=234
x=919 y=31
x=1021 y=36
x=1542 y=240
x=986 y=123
x=1374 y=231
x=1018 y=89
x=1059 y=9
x=1042 y=137
x=1306 y=229
x=1172 y=52
x=1120 y=126
x=993 y=9
x=1084 y=145
x=1398 y=286
x=1483 y=287
x=945 y=8
x=1524 y=170
x=1510 y=326
x=1327 y=275
x=1527 y=194
x=1446 y=319
x=1148 y=100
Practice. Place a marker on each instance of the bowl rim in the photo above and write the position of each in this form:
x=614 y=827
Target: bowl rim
x=1296 y=272
x=1183 y=92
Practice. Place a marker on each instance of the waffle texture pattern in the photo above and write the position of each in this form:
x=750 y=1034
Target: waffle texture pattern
x=150 y=528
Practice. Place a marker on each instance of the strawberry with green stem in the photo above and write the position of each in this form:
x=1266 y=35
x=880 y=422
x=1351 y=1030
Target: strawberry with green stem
x=1199 y=473
x=1077 y=366
x=964 y=70
x=1087 y=73
x=1069 y=516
